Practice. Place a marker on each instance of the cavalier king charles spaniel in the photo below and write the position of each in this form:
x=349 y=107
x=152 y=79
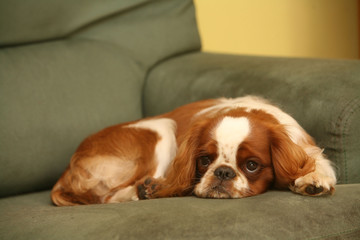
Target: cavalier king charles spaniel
x=219 y=148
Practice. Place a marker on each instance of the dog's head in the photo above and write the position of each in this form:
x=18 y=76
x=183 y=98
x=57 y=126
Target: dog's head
x=236 y=154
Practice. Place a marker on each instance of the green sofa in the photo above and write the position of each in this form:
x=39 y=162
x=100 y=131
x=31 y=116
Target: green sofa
x=71 y=68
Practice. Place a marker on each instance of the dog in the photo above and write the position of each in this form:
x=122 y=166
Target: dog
x=217 y=148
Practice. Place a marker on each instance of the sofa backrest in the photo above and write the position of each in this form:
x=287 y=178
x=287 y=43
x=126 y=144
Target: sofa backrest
x=71 y=68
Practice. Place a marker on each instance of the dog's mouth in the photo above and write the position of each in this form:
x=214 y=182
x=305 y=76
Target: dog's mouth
x=217 y=191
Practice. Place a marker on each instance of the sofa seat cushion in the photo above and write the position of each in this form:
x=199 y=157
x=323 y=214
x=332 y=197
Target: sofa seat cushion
x=273 y=215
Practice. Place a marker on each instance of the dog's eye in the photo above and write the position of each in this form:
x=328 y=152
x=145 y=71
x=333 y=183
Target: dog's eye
x=252 y=166
x=205 y=161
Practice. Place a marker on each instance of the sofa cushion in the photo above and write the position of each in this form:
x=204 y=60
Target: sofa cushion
x=24 y=22
x=273 y=215
x=322 y=95
x=83 y=72
x=52 y=96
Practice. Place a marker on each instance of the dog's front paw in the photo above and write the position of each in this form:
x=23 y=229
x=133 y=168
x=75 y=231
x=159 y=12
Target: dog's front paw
x=147 y=189
x=314 y=184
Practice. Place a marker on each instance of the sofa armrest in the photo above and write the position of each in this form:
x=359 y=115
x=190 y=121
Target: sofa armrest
x=322 y=95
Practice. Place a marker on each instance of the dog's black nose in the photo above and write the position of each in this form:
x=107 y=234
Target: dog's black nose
x=224 y=173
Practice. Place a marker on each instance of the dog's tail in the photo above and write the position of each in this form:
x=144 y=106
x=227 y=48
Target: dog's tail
x=62 y=195
x=61 y=198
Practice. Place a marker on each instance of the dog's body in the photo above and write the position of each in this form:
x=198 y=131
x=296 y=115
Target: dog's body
x=221 y=148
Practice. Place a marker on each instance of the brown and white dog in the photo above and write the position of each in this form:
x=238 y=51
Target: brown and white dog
x=220 y=148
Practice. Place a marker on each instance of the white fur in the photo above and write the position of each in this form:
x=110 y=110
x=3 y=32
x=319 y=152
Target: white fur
x=166 y=147
x=241 y=184
x=229 y=134
x=126 y=194
x=324 y=174
x=296 y=133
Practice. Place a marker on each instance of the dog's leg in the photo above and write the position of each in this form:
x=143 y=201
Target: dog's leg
x=147 y=188
x=141 y=190
x=319 y=182
x=165 y=151
x=121 y=195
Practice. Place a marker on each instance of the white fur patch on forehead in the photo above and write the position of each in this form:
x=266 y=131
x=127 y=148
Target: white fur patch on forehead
x=249 y=103
x=232 y=130
x=230 y=133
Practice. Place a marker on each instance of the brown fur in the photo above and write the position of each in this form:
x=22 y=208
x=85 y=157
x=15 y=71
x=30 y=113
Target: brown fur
x=77 y=184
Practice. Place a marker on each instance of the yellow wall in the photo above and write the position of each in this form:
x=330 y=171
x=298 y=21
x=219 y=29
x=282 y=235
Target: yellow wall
x=300 y=28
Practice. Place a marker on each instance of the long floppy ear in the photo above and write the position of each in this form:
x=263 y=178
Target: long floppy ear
x=180 y=178
x=289 y=160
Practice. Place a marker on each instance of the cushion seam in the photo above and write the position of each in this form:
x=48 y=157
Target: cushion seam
x=72 y=32
x=351 y=230
x=353 y=107
x=341 y=127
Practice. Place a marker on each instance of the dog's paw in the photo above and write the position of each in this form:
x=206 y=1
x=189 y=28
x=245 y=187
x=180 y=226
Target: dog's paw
x=314 y=184
x=147 y=188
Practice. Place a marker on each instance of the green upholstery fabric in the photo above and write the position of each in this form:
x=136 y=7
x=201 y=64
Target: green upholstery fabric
x=50 y=102
x=273 y=215
x=322 y=95
x=55 y=93
x=71 y=68
x=25 y=21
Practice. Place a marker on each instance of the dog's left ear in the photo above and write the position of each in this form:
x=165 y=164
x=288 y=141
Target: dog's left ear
x=289 y=160
x=179 y=180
